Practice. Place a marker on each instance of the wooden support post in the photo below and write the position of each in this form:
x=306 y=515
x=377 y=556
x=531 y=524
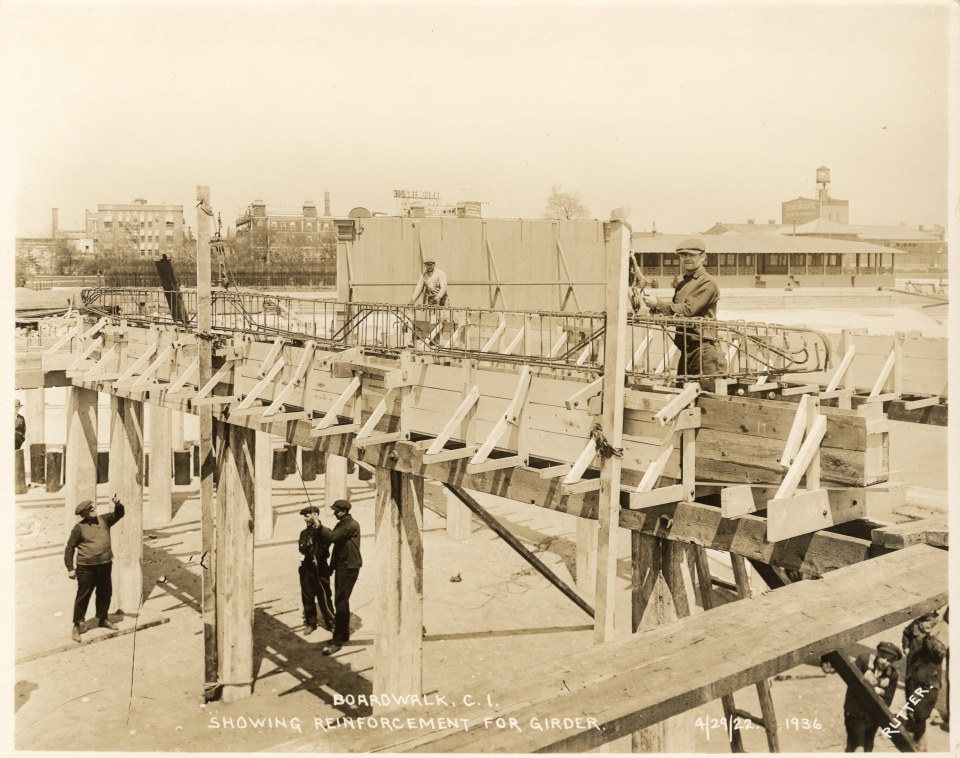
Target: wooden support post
x=126 y=481
x=617 y=251
x=81 y=478
x=159 y=506
x=235 y=516
x=335 y=479
x=586 y=566
x=458 y=517
x=35 y=415
x=398 y=638
x=208 y=533
x=263 y=501
x=662 y=592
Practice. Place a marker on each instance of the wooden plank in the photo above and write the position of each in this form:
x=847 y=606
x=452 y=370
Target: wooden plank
x=619 y=687
x=934 y=532
x=797 y=514
x=126 y=480
x=812 y=554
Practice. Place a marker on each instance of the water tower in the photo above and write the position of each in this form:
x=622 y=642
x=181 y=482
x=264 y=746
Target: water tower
x=823 y=179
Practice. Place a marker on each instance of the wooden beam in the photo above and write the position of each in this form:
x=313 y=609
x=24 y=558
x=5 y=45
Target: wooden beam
x=81 y=463
x=235 y=520
x=398 y=536
x=622 y=686
x=126 y=481
x=812 y=554
x=518 y=547
x=159 y=506
x=933 y=531
x=617 y=249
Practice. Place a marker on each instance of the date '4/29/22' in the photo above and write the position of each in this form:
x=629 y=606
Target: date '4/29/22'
x=726 y=726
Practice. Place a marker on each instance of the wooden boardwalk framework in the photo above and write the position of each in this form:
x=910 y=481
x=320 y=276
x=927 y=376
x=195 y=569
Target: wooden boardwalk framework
x=576 y=413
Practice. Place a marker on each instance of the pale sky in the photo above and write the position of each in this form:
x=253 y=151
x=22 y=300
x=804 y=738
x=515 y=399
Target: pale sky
x=686 y=114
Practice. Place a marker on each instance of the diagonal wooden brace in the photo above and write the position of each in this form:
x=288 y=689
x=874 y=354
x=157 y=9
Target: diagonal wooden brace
x=142 y=382
x=222 y=373
x=306 y=360
x=452 y=423
x=509 y=418
x=842 y=369
x=498 y=332
x=805 y=458
x=656 y=467
x=365 y=436
x=190 y=373
x=270 y=360
x=246 y=405
x=330 y=417
x=795 y=437
x=130 y=375
x=687 y=395
x=98 y=370
x=582 y=463
x=87 y=351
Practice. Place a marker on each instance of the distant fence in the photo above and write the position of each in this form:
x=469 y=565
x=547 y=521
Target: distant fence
x=324 y=278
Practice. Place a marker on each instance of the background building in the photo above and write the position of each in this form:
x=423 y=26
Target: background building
x=136 y=230
x=803 y=209
x=287 y=233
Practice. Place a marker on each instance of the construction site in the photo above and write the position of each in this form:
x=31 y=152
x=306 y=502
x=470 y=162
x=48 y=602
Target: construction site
x=570 y=542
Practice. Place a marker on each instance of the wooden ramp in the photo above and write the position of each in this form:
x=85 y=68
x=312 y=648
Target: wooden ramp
x=629 y=684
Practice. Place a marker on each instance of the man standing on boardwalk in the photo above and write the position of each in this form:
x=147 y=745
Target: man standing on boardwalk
x=315 y=573
x=346 y=563
x=90 y=540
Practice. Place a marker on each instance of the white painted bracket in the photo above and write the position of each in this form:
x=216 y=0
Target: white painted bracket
x=438 y=444
x=508 y=418
x=329 y=423
x=85 y=353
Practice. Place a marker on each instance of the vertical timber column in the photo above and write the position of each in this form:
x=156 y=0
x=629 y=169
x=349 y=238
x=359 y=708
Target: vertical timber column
x=235 y=515
x=335 y=479
x=159 y=507
x=81 y=477
x=614 y=364
x=208 y=535
x=263 y=482
x=126 y=481
x=458 y=517
x=587 y=533
x=662 y=592
x=398 y=530
x=36 y=430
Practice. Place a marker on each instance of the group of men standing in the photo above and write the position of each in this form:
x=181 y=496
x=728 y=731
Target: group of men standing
x=321 y=607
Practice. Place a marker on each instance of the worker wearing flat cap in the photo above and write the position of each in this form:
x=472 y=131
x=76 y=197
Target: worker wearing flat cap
x=346 y=562
x=925 y=651
x=878 y=672
x=695 y=295
x=432 y=284
x=90 y=541
x=315 y=593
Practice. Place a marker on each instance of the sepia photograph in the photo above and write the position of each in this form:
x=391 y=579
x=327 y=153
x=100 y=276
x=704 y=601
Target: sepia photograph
x=479 y=378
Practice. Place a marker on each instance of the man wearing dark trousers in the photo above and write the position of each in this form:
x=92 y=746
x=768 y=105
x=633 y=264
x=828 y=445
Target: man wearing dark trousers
x=925 y=652
x=315 y=573
x=346 y=563
x=90 y=540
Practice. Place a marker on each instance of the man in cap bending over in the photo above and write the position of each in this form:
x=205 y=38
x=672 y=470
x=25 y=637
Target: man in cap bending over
x=695 y=295
x=346 y=562
x=432 y=285
x=879 y=672
x=90 y=540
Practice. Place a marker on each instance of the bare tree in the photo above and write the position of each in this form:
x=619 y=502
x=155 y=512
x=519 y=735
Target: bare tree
x=565 y=205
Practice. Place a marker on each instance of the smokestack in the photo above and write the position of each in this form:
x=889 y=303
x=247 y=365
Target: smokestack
x=326 y=203
x=54 y=223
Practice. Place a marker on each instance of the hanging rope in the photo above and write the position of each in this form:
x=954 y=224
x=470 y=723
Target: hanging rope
x=604 y=448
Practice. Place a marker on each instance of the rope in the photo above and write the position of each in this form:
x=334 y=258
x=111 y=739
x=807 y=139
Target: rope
x=604 y=448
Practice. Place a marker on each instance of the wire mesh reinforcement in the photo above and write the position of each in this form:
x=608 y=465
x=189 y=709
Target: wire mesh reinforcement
x=662 y=348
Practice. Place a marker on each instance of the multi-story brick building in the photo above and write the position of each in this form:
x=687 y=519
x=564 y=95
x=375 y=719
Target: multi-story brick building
x=804 y=209
x=276 y=232
x=139 y=229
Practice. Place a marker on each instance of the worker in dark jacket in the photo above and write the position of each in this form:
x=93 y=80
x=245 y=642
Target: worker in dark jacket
x=315 y=573
x=346 y=562
x=695 y=295
x=90 y=540
x=19 y=426
x=878 y=671
x=925 y=652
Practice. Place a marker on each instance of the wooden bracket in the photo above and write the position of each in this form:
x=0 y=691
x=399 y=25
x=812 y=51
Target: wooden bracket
x=306 y=361
x=884 y=374
x=328 y=424
x=494 y=338
x=586 y=457
x=910 y=405
x=191 y=372
x=452 y=424
x=96 y=372
x=451 y=455
x=365 y=436
x=509 y=418
x=245 y=406
x=222 y=373
x=73 y=332
x=270 y=361
x=581 y=395
x=737 y=501
x=129 y=376
x=142 y=381
x=841 y=371
x=84 y=354
x=667 y=361
x=689 y=393
x=795 y=436
x=455 y=336
x=800 y=389
x=656 y=467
